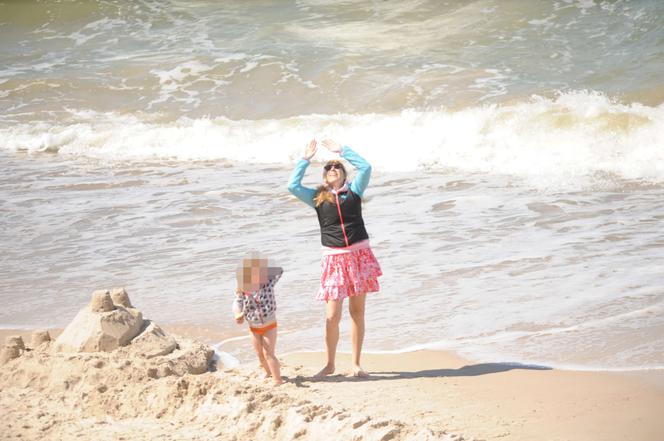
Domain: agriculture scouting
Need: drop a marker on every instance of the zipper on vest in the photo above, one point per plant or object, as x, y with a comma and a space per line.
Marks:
341, 218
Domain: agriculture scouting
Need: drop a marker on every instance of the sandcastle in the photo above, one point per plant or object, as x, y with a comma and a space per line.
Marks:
103, 326
109, 323
15, 346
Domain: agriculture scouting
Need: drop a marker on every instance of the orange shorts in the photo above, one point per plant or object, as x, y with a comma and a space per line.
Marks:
264, 329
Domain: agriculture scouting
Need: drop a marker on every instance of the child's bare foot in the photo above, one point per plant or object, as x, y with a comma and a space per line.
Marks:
278, 382
327, 370
359, 372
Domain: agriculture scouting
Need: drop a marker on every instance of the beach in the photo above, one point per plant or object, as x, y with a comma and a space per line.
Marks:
494, 401
514, 204
413, 395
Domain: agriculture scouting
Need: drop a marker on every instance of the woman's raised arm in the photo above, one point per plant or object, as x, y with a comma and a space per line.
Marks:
305, 194
361, 180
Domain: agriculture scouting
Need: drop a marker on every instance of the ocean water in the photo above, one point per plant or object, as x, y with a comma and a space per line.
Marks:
517, 196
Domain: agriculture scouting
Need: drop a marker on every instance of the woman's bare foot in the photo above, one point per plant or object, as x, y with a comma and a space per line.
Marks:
359, 372
327, 370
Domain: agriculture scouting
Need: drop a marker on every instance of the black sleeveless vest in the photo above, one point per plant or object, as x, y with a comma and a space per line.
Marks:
331, 231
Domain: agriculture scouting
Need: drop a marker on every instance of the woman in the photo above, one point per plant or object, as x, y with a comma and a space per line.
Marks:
348, 267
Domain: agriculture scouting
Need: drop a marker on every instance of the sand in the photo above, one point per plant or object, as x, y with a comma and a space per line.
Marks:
499, 402
123, 394
118, 394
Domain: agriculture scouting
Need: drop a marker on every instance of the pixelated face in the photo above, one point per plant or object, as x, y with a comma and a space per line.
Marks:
254, 272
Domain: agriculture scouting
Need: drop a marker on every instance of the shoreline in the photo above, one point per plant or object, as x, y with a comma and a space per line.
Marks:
214, 336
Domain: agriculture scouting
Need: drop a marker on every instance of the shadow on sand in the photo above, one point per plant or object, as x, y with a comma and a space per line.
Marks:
465, 371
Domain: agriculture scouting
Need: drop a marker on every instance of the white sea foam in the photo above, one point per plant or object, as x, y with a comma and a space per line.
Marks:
227, 58
177, 80
573, 140
95, 29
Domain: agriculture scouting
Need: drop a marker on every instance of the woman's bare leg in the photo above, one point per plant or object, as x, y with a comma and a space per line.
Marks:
332, 319
269, 343
356, 309
258, 347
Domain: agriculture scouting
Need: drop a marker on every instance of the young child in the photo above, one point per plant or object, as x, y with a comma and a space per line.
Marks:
254, 301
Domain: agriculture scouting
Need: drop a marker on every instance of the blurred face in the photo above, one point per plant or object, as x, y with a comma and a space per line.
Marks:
253, 274
333, 174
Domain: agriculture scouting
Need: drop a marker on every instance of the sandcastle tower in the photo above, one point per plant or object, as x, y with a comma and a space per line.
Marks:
120, 297
103, 325
40, 337
14, 347
101, 301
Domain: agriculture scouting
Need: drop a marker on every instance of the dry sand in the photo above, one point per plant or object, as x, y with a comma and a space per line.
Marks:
120, 394
414, 396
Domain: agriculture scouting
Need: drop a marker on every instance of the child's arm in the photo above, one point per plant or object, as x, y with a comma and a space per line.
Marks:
238, 308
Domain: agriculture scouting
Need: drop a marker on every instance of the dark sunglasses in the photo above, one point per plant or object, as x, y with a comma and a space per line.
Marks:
331, 166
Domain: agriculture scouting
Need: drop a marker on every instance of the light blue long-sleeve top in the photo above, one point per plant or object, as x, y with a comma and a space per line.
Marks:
357, 186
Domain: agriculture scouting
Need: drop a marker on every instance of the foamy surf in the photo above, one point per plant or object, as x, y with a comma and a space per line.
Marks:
573, 141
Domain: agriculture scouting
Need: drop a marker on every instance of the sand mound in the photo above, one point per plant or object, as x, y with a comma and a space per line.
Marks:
159, 386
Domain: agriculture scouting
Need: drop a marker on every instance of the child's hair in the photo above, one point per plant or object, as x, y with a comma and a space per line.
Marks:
323, 194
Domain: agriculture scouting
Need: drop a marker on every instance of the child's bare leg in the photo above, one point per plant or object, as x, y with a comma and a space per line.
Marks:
258, 347
269, 344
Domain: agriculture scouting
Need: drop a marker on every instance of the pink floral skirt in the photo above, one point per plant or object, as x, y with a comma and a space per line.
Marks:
348, 274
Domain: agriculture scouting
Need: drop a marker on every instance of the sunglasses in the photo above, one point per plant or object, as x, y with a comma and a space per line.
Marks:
328, 167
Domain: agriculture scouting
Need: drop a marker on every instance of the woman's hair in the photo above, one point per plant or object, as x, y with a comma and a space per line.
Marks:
323, 193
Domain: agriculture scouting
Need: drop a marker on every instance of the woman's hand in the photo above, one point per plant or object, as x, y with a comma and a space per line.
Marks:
310, 150
332, 146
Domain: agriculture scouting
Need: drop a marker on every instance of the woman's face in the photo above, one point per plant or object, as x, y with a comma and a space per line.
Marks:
334, 175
